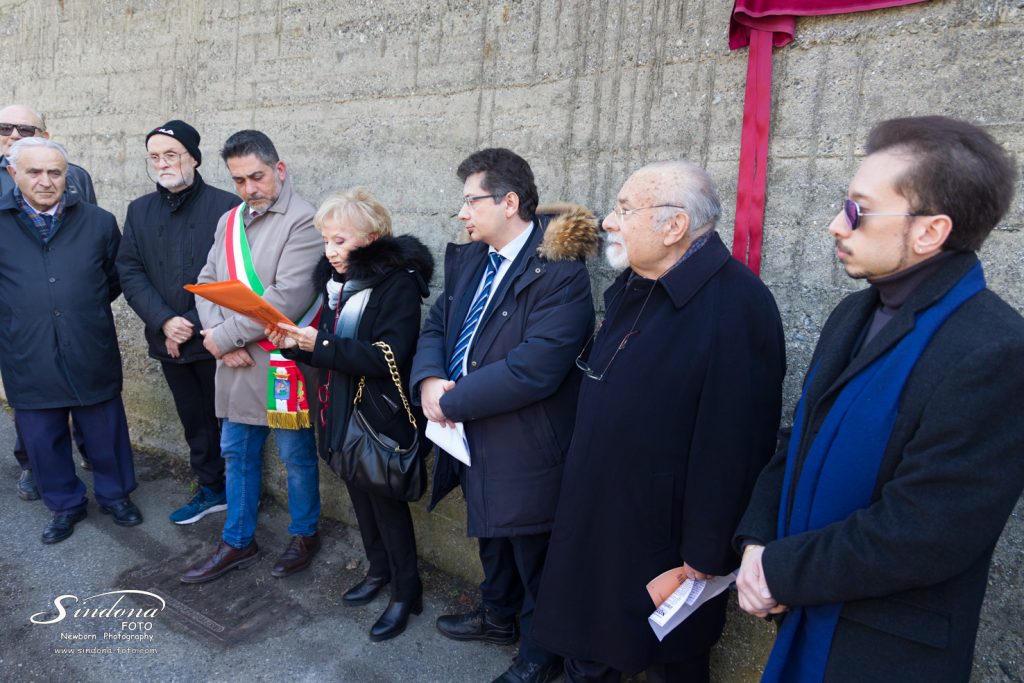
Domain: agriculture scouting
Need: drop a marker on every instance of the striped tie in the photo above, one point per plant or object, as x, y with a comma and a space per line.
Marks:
473, 317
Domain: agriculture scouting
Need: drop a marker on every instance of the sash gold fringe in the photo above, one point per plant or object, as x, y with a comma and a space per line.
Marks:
279, 419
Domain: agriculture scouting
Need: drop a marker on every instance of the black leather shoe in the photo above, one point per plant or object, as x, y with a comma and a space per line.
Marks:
394, 619
224, 559
125, 513
479, 624
523, 671
364, 591
62, 526
27, 486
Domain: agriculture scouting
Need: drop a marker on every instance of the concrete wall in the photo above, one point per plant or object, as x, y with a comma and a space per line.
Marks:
393, 94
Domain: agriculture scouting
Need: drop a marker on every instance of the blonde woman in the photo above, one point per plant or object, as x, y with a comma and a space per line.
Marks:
373, 284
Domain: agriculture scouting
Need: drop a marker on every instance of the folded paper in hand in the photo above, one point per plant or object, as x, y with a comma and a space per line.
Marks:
683, 601
452, 440
233, 295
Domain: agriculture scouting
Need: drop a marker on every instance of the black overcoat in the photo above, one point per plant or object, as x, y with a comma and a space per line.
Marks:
399, 269
666, 449
58, 345
912, 567
164, 247
519, 397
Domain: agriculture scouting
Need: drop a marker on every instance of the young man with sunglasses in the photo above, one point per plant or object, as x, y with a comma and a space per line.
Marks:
17, 122
872, 529
167, 237
678, 409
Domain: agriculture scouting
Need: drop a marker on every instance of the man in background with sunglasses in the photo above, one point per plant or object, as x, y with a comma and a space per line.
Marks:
873, 527
678, 411
17, 122
167, 237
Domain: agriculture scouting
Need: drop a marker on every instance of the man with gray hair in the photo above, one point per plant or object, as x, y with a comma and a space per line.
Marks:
680, 401
58, 345
16, 122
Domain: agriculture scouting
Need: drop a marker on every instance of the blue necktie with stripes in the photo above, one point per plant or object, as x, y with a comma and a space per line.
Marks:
476, 311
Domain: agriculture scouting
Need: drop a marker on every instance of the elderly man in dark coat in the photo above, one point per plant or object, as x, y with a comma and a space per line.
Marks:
497, 353
678, 411
58, 345
905, 457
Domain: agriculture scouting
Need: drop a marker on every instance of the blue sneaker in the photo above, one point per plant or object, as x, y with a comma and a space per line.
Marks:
202, 504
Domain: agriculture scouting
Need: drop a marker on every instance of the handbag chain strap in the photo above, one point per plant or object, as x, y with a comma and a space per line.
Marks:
389, 356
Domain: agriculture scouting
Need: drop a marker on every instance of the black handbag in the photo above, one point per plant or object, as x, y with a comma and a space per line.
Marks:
375, 462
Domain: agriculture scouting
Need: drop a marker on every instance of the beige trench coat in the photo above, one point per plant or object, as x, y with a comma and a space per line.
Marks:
285, 249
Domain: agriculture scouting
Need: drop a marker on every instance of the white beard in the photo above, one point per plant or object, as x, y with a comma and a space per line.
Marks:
616, 256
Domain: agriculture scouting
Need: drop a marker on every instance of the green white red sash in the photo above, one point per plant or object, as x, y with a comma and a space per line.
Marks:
287, 407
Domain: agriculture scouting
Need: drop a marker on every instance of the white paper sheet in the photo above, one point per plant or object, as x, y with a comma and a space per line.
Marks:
684, 601
451, 440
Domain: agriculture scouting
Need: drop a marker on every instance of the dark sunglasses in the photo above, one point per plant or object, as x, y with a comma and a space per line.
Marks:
23, 131
853, 213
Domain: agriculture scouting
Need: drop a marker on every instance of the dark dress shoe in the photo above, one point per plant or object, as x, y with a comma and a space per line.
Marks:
297, 555
125, 513
523, 671
27, 486
479, 624
224, 559
364, 591
62, 526
394, 619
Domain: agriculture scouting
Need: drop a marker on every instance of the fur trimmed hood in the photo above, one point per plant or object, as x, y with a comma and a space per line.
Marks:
381, 257
571, 232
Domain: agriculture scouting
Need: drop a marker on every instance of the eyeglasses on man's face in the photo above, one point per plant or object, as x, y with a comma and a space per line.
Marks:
24, 130
621, 213
853, 214
169, 158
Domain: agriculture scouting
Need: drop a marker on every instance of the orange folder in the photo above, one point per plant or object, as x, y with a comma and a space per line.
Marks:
233, 295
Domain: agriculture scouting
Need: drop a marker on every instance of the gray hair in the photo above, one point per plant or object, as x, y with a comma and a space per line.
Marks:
690, 186
21, 145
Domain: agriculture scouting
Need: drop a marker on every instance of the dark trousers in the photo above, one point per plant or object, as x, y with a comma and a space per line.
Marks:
692, 670
389, 541
21, 455
48, 441
512, 570
192, 386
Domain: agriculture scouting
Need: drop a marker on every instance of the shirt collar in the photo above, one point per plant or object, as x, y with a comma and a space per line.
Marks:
511, 250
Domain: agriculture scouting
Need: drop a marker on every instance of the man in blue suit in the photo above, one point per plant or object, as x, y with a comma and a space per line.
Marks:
497, 353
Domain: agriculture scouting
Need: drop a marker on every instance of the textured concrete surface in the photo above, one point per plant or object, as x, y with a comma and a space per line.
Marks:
393, 94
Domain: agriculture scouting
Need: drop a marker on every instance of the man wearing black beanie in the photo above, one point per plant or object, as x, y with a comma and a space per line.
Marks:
167, 236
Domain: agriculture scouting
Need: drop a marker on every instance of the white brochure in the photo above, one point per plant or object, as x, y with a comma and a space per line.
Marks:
451, 440
684, 601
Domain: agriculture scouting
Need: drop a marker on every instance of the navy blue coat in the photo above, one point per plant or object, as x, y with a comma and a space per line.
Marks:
58, 345
912, 567
519, 397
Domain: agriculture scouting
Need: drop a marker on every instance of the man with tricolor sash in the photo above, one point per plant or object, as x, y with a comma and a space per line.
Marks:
269, 244
872, 530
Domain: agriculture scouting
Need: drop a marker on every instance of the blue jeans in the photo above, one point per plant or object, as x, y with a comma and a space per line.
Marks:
241, 446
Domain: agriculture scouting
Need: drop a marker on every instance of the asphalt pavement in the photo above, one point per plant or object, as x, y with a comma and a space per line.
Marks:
106, 604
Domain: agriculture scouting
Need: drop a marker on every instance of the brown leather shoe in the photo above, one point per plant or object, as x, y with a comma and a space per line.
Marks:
224, 559
297, 555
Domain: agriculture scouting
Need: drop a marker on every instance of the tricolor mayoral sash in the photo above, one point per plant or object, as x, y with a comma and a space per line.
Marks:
287, 407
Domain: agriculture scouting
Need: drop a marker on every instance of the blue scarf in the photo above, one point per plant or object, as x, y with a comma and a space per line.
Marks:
839, 474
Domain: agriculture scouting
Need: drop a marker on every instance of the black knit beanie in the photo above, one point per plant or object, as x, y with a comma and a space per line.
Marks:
183, 133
